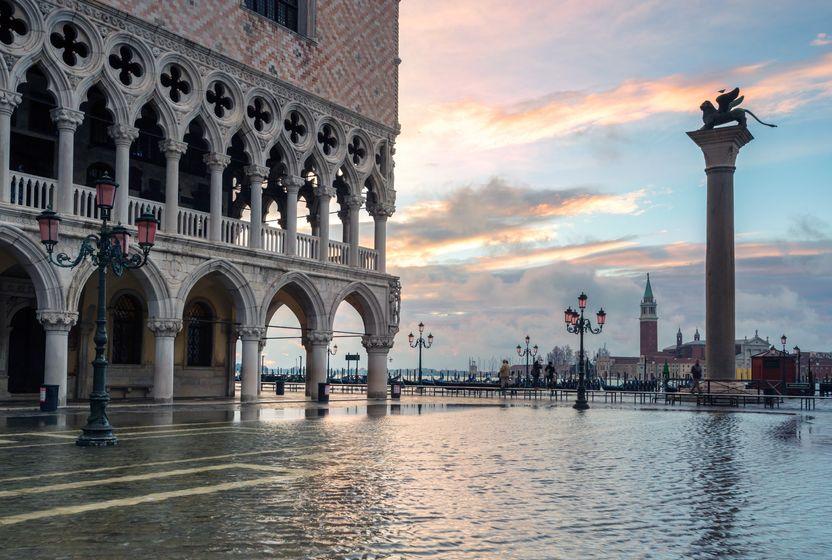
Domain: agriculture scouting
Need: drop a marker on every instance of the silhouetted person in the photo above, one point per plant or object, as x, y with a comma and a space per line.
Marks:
696, 375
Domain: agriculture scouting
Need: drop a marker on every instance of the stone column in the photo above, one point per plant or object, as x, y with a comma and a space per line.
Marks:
344, 216
216, 164
256, 175
173, 150
165, 331
720, 147
325, 195
354, 204
380, 213
316, 344
292, 185
57, 325
9, 100
251, 358
67, 121
377, 349
123, 136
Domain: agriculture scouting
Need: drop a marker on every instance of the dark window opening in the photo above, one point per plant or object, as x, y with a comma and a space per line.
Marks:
200, 321
127, 331
284, 12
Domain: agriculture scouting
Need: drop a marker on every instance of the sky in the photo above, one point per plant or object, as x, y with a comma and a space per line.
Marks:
543, 153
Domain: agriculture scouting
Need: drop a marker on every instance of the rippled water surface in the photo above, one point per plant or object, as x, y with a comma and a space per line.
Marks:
471, 482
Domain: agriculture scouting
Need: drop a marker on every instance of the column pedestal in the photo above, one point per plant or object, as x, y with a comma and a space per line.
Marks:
377, 349
165, 331
56, 324
720, 147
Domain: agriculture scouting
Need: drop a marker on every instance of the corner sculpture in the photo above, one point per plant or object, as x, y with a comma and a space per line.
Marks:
727, 111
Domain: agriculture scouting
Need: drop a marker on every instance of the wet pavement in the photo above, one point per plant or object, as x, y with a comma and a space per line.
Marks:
439, 478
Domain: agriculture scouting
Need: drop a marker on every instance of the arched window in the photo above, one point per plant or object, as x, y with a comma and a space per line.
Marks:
200, 325
128, 331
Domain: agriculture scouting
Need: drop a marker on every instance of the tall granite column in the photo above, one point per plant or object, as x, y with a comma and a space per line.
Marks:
66, 121
165, 331
377, 349
720, 147
316, 344
123, 137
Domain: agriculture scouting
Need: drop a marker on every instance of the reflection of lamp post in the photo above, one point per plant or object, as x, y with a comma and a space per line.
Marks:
576, 324
420, 343
330, 352
108, 249
528, 353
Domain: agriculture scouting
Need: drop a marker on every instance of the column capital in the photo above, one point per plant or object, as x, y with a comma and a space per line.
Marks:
173, 148
66, 119
377, 344
249, 333
123, 134
317, 338
53, 320
354, 202
257, 172
293, 183
381, 210
721, 145
164, 327
324, 191
9, 100
216, 161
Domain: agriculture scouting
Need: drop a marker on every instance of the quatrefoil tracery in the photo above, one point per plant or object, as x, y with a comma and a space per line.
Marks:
327, 139
357, 151
9, 24
218, 97
173, 79
295, 126
259, 114
68, 42
126, 66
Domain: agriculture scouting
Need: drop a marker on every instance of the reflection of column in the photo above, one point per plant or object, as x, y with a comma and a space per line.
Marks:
9, 100
256, 175
251, 356
325, 195
123, 136
67, 121
4, 347
216, 164
720, 147
165, 331
292, 185
377, 349
380, 213
173, 150
57, 325
316, 343
354, 204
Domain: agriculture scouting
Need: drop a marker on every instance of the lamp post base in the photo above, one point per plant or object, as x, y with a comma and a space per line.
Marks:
96, 437
581, 405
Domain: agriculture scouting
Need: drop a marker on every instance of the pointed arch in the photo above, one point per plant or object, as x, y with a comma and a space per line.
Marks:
156, 289
362, 298
251, 144
116, 102
57, 82
211, 131
235, 282
167, 118
48, 287
289, 159
310, 305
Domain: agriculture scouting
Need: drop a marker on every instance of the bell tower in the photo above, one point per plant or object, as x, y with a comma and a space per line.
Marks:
649, 323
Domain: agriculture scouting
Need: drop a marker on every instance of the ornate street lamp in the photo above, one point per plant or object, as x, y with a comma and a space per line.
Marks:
420, 343
107, 250
330, 352
528, 353
577, 324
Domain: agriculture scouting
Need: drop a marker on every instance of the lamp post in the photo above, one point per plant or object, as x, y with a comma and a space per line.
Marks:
783, 365
797, 352
109, 249
330, 352
528, 353
420, 343
577, 324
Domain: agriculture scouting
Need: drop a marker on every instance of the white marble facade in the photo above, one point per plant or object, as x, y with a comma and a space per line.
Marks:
241, 252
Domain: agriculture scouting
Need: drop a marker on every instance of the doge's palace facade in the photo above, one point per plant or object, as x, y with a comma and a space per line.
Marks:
246, 127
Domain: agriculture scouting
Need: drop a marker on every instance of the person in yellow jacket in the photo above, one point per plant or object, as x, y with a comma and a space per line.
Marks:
505, 374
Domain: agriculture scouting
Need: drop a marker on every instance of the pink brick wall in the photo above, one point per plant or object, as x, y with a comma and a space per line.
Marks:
351, 62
